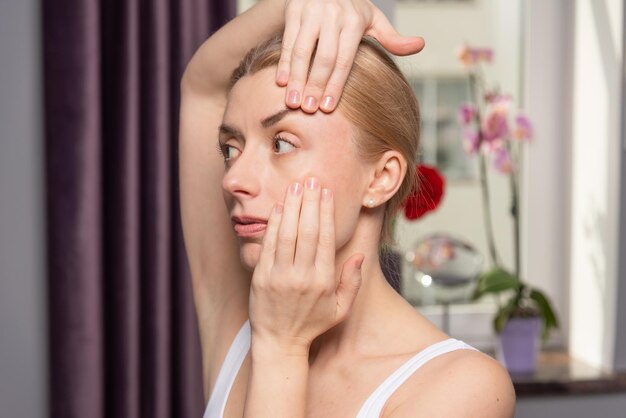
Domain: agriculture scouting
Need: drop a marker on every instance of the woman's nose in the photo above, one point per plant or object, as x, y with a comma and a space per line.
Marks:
241, 179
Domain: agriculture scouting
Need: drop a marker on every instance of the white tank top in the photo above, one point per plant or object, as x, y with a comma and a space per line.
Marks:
372, 407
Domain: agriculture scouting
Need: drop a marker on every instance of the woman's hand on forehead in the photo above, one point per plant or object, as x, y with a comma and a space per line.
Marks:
337, 27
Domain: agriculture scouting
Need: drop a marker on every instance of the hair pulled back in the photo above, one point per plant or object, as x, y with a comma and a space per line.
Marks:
377, 99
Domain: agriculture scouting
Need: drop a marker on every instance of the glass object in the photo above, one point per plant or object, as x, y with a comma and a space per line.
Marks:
442, 270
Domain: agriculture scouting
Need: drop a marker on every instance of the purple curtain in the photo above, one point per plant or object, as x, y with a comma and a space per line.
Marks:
123, 332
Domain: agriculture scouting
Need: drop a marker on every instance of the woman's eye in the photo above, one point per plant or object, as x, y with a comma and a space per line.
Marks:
227, 151
281, 145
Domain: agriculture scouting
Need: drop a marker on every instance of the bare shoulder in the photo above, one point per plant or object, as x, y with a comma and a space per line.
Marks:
463, 383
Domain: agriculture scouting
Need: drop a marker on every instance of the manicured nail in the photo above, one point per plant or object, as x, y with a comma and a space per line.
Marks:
278, 208
327, 103
326, 194
295, 189
282, 77
294, 97
312, 183
310, 102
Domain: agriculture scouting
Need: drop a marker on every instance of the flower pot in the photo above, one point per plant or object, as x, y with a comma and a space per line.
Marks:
518, 344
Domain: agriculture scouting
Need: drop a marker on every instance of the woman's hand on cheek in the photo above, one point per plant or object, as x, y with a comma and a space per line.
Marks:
337, 26
295, 295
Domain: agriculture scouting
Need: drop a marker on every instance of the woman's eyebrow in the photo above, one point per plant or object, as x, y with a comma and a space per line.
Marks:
228, 130
271, 120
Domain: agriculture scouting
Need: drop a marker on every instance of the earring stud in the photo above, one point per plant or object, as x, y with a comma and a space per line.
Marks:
370, 203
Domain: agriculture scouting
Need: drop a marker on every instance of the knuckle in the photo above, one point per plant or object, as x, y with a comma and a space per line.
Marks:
329, 288
343, 64
309, 234
332, 10
286, 239
295, 284
275, 286
286, 47
325, 61
284, 60
258, 285
292, 8
326, 239
300, 52
333, 87
314, 87
353, 21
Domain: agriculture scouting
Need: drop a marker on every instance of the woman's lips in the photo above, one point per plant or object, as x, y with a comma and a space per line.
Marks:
250, 230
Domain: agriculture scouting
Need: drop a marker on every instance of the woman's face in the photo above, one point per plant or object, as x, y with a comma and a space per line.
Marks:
268, 147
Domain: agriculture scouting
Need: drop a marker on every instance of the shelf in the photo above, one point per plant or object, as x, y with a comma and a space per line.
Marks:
558, 374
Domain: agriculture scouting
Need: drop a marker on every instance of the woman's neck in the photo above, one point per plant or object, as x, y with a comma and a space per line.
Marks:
368, 320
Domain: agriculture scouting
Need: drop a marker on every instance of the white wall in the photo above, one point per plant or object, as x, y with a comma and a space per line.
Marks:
595, 175
546, 181
23, 331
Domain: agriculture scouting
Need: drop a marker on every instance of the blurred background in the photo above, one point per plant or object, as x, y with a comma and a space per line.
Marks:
96, 313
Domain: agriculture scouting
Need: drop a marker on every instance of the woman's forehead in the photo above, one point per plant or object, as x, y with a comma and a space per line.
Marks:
258, 99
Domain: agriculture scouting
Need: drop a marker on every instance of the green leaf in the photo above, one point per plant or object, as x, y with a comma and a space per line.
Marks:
550, 320
495, 281
503, 315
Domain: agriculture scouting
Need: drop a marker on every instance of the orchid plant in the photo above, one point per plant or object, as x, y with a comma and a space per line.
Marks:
495, 135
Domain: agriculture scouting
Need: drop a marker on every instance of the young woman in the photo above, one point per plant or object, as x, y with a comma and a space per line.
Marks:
283, 224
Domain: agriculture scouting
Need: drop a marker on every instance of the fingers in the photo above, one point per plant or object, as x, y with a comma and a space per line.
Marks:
349, 285
325, 255
270, 239
292, 27
300, 59
348, 44
308, 227
390, 39
323, 66
304, 233
339, 30
288, 229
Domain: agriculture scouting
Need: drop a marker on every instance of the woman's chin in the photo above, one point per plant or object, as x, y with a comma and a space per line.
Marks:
249, 254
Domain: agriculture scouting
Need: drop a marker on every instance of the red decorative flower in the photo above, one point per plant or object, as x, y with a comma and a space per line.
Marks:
427, 193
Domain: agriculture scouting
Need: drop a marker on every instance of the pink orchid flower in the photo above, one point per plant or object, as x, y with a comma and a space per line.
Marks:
495, 125
467, 113
469, 56
471, 141
523, 128
502, 160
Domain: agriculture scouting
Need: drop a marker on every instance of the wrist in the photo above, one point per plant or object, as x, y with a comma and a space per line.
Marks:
268, 348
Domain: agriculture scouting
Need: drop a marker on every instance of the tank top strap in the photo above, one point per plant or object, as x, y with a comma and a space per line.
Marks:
228, 372
374, 405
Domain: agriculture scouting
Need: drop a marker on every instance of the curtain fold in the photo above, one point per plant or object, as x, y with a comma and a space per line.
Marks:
123, 332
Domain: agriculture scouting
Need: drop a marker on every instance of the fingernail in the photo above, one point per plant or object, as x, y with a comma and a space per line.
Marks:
312, 183
294, 97
282, 77
326, 194
278, 208
310, 102
295, 189
327, 103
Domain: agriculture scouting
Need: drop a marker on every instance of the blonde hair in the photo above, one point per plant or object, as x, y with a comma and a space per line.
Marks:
377, 99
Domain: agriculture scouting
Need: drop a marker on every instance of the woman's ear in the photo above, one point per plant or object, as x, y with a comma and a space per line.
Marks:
386, 178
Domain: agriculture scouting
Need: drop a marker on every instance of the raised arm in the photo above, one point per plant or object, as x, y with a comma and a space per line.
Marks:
220, 284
